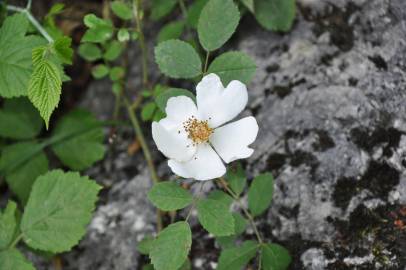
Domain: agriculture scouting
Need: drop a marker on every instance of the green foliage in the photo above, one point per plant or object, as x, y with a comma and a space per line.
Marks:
121, 10
236, 178
194, 12
275, 257
13, 259
237, 257
100, 30
100, 71
83, 134
89, 51
145, 245
148, 111
58, 210
240, 223
218, 21
62, 47
215, 217
249, 4
116, 73
114, 49
276, 15
168, 196
171, 247
171, 30
19, 119
161, 8
178, 59
123, 35
219, 195
233, 66
162, 98
8, 225
260, 193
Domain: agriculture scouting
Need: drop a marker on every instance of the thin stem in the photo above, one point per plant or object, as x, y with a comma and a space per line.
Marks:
195, 200
29, 3
183, 9
260, 259
243, 208
137, 8
15, 242
206, 63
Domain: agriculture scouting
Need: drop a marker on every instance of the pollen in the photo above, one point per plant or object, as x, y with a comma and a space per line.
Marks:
198, 131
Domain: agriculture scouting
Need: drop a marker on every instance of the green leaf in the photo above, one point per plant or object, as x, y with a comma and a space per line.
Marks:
123, 35
161, 8
148, 111
158, 115
100, 71
63, 49
121, 10
15, 56
89, 51
236, 178
168, 196
219, 195
22, 163
148, 267
162, 98
171, 247
237, 257
98, 34
92, 21
233, 66
194, 11
117, 73
19, 119
218, 21
275, 257
249, 4
44, 89
276, 15
178, 59
58, 210
114, 49
171, 30
12, 259
226, 242
240, 223
260, 193
8, 225
215, 217
84, 134
145, 245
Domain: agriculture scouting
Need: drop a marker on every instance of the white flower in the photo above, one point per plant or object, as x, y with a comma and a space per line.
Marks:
189, 133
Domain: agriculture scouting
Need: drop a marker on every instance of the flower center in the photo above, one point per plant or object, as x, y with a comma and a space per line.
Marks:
198, 131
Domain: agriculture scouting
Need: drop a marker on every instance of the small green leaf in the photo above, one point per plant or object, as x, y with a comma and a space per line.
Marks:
236, 178
178, 59
276, 15
275, 257
8, 225
194, 11
240, 223
260, 193
158, 115
12, 259
82, 133
63, 49
219, 195
161, 8
171, 247
44, 89
148, 110
100, 30
215, 217
19, 119
226, 242
117, 73
168, 196
162, 99
237, 257
114, 49
121, 10
145, 245
171, 30
233, 66
92, 21
89, 51
123, 35
117, 88
58, 210
100, 71
218, 21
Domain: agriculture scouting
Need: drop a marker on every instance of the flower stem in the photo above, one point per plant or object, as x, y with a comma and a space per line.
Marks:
243, 208
137, 9
195, 200
206, 63
15, 242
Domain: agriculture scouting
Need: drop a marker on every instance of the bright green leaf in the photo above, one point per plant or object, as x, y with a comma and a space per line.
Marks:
100, 71
63, 49
260, 193
158, 115
98, 35
276, 15
275, 257
121, 10
178, 59
236, 178
114, 49
233, 66
161, 8
169, 196
92, 21
171, 30
83, 134
58, 210
145, 245
123, 35
194, 11
148, 110
171, 247
117, 73
8, 225
162, 98
240, 223
12, 259
215, 217
219, 195
237, 257
89, 51
218, 21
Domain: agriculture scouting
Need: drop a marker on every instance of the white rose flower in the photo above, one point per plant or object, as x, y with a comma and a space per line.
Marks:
189, 133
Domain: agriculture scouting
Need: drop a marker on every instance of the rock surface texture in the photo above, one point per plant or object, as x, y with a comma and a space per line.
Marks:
330, 99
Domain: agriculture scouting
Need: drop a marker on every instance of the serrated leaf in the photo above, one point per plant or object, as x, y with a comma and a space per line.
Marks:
15, 56
217, 22
89, 51
44, 89
100, 71
86, 137
19, 119
145, 245
178, 59
276, 15
215, 217
239, 227
275, 257
63, 49
58, 210
121, 10
162, 98
148, 111
171, 247
8, 225
260, 193
11, 259
233, 66
114, 49
237, 257
22, 163
171, 30
123, 35
236, 178
161, 8
194, 11
168, 196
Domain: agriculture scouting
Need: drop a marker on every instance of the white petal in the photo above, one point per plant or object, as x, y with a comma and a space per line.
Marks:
219, 105
231, 141
173, 143
205, 165
178, 109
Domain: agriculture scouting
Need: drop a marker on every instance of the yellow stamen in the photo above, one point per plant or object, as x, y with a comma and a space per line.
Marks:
198, 131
